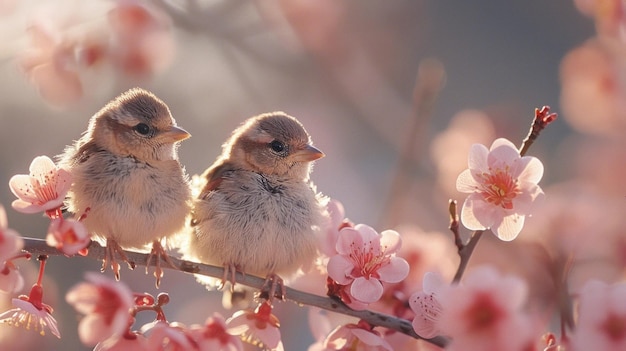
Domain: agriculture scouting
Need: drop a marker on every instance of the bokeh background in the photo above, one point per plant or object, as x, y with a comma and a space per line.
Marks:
394, 92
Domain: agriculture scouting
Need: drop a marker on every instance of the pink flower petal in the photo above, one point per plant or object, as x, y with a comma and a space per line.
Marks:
473, 207
533, 172
4, 223
432, 282
340, 269
477, 160
502, 156
12, 281
391, 241
21, 187
366, 290
348, 237
371, 339
466, 183
427, 309
367, 234
509, 227
394, 272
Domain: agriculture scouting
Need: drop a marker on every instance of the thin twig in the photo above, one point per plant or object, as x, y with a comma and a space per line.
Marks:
97, 252
466, 253
454, 224
543, 117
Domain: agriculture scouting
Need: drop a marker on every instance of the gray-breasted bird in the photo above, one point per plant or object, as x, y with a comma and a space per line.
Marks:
126, 174
257, 211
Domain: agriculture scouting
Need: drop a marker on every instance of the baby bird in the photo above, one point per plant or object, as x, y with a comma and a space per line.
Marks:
126, 175
257, 211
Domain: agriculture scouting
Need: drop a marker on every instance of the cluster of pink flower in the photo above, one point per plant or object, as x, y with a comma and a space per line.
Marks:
133, 38
362, 268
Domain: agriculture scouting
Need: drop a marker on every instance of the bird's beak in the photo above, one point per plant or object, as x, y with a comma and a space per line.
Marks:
174, 134
307, 154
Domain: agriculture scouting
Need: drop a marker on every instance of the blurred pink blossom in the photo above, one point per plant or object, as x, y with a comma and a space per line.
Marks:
128, 342
44, 189
212, 336
357, 337
141, 42
106, 305
593, 87
50, 65
450, 147
260, 326
68, 235
11, 243
168, 337
11, 280
427, 307
609, 15
502, 187
31, 313
601, 317
485, 312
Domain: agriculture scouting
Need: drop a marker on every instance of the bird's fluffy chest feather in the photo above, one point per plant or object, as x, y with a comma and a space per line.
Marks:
130, 201
260, 223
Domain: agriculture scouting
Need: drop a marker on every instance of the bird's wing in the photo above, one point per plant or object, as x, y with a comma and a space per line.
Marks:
214, 175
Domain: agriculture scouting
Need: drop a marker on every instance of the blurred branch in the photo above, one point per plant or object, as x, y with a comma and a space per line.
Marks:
97, 252
430, 80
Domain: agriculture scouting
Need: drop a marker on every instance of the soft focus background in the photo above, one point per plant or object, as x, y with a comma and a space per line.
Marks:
348, 71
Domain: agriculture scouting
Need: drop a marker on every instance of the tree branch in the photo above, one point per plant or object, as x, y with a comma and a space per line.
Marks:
97, 252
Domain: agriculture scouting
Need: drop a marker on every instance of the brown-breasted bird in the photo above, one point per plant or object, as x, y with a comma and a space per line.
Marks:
256, 210
127, 176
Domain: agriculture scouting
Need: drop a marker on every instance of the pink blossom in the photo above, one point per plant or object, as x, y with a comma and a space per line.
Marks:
484, 313
31, 313
601, 317
165, 336
609, 16
10, 279
357, 337
44, 189
142, 38
427, 307
10, 245
259, 326
365, 259
593, 87
50, 65
502, 187
337, 221
10, 241
212, 336
68, 235
128, 342
106, 305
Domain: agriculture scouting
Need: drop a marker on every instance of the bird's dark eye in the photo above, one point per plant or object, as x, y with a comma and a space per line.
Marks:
277, 146
142, 129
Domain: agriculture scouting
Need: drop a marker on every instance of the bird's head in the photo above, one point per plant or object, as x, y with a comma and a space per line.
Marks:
273, 144
139, 125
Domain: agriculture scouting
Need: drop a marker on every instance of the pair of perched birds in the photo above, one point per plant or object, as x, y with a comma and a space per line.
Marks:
256, 210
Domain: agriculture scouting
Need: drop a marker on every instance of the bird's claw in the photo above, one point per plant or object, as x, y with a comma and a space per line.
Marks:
158, 252
112, 248
230, 271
